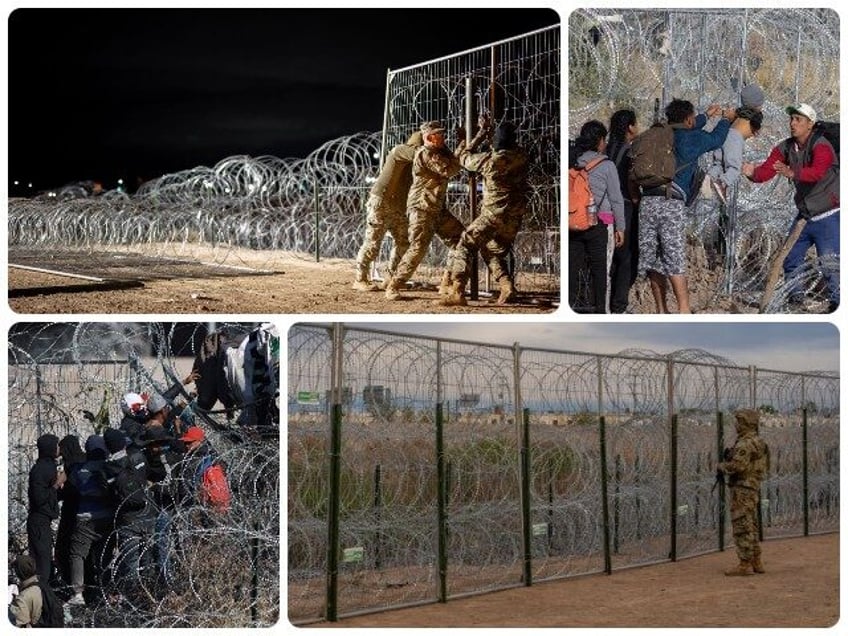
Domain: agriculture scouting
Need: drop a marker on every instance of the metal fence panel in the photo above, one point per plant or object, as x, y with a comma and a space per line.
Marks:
469, 467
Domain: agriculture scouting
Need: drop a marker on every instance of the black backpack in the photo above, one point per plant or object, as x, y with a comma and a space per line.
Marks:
827, 129
830, 131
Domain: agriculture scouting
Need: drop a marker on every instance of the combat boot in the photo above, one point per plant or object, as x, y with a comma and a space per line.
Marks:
507, 291
454, 296
743, 569
393, 290
362, 283
444, 285
757, 564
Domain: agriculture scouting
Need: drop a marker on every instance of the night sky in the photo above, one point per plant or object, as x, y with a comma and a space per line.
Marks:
101, 94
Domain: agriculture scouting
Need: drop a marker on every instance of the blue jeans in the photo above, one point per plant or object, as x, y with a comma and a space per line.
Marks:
824, 234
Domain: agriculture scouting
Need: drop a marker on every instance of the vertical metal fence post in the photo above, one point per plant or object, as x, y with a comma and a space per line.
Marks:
317, 220
474, 279
441, 488
378, 517
38, 380
522, 416
722, 513
722, 493
525, 499
673, 493
673, 451
334, 502
806, 471
604, 500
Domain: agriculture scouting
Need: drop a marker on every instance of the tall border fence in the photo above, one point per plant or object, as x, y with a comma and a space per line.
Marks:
423, 469
516, 80
642, 58
247, 209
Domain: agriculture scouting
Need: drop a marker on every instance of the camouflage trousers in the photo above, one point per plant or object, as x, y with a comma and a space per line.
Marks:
662, 236
384, 215
423, 225
743, 516
493, 234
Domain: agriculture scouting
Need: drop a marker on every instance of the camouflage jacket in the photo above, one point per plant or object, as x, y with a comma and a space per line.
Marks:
431, 170
749, 462
396, 175
504, 175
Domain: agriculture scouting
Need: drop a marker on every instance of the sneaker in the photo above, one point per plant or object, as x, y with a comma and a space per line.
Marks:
76, 599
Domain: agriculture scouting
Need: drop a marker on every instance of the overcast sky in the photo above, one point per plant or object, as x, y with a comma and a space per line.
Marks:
97, 93
778, 346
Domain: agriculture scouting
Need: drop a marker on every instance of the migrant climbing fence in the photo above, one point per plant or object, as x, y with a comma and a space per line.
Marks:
424, 469
56, 372
642, 58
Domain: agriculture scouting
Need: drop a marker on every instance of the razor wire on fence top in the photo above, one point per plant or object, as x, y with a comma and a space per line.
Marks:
224, 567
421, 469
633, 58
315, 207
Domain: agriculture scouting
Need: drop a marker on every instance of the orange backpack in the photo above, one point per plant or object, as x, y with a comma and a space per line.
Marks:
580, 196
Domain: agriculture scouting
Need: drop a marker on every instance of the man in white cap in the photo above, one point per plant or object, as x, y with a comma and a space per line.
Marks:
810, 162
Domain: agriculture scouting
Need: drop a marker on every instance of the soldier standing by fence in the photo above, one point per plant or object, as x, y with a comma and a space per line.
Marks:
746, 468
432, 167
387, 212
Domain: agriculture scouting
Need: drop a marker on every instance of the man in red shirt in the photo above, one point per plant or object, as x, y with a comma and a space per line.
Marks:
810, 162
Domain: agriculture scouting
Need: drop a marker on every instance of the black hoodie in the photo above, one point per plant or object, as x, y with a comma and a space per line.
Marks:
43, 498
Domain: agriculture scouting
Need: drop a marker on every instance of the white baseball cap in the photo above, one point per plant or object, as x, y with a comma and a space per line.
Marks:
802, 109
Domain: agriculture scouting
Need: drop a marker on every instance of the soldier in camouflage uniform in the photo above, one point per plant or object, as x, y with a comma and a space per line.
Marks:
387, 211
432, 168
504, 171
745, 469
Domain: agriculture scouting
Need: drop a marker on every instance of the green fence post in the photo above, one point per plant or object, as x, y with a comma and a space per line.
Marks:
333, 521
525, 499
604, 500
722, 511
441, 495
806, 474
334, 496
673, 529
317, 222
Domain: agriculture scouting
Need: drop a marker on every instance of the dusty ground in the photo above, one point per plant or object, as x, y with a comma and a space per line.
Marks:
799, 589
295, 285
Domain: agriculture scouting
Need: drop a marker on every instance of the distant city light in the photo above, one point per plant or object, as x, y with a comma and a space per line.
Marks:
17, 183
29, 185
120, 182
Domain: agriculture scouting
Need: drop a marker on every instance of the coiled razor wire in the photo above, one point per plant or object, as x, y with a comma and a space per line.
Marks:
398, 391
631, 58
224, 568
314, 208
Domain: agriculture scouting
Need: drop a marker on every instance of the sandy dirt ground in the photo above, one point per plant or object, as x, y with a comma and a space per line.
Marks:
799, 589
295, 286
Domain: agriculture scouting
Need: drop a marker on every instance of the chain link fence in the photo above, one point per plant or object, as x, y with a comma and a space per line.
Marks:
424, 469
